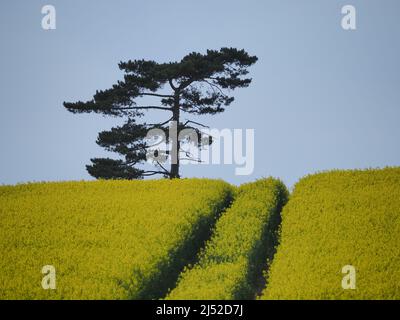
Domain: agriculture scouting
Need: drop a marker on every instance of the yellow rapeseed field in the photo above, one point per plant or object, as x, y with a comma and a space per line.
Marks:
131, 239
232, 261
106, 239
337, 219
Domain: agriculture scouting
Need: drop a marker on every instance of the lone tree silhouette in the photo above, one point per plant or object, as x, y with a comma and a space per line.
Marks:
198, 84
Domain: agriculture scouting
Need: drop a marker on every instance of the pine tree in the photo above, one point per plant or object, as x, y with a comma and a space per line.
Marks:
199, 84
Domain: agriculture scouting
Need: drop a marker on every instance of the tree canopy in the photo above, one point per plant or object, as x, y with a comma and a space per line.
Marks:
199, 84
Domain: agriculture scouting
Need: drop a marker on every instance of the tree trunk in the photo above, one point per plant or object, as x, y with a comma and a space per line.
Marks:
175, 145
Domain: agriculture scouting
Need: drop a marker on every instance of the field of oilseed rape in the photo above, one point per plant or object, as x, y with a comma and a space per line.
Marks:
338, 219
230, 266
105, 239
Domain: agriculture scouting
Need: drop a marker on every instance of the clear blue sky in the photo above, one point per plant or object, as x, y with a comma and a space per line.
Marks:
321, 97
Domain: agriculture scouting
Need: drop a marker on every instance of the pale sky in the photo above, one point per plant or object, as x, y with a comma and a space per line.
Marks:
321, 98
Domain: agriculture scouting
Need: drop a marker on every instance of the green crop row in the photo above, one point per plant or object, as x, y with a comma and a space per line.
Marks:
105, 239
230, 266
340, 238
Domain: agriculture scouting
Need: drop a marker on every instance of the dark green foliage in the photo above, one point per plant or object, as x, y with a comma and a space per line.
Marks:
106, 168
198, 84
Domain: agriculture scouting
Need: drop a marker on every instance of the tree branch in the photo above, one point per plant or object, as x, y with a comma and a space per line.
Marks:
161, 124
142, 107
185, 84
194, 122
156, 95
212, 85
151, 173
172, 85
192, 159
162, 167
